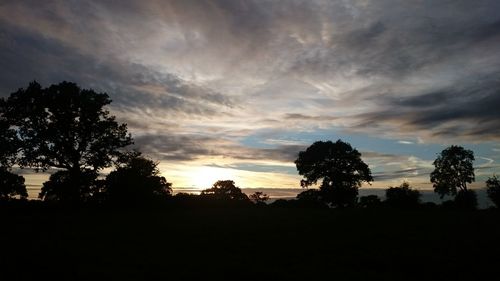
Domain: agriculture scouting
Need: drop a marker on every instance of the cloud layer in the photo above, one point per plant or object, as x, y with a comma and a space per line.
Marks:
252, 81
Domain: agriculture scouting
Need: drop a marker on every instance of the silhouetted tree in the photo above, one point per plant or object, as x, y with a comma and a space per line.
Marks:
453, 170
369, 201
283, 203
311, 198
338, 166
310, 195
8, 140
11, 185
493, 190
448, 204
65, 127
402, 196
224, 190
466, 199
259, 197
185, 195
136, 180
62, 187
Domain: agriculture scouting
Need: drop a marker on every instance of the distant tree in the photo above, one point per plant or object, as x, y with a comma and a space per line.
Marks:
224, 190
259, 197
136, 180
312, 195
65, 127
453, 170
185, 195
493, 190
62, 187
283, 203
466, 199
311, 198
402, 196
11, 185
338, 166
369, 201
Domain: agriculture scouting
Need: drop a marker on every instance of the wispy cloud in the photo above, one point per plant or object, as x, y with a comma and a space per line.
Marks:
194, 79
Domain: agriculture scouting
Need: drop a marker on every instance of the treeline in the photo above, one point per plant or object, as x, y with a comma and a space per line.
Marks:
68, 129
339, 171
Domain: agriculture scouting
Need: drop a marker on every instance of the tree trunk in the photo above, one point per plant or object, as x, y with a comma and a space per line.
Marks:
75, 178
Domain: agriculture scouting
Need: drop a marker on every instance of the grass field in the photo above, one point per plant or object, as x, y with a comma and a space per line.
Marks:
249, 244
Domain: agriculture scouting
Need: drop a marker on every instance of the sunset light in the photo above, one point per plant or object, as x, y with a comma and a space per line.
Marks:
249, 139
204, 177
236, 90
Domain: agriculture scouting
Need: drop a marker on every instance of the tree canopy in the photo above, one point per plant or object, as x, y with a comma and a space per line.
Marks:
137, 180
64, 127
369, 201
493, 190
338, 166
65, 187
225, 190
402, 196
8, 142
453, 170
259, 197
11, 185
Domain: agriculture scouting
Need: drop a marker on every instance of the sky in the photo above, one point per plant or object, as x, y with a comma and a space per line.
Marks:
235, 89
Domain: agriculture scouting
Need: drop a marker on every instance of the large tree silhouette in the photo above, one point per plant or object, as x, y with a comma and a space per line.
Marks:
338, 166
453, 170
65, 127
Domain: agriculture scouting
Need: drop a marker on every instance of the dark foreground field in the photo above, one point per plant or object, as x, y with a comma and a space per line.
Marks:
249, 244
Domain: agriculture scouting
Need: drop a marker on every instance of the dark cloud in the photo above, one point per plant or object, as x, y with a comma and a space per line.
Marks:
191, 77
398, 49
398, 174
191, 147
303, 117
173, 147
29, 56
259, 168
468, 108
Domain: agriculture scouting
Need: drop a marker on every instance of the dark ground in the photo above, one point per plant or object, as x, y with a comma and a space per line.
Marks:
249, 244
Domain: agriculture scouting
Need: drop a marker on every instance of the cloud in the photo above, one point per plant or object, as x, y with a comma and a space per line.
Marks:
194, 78
465, 109
31, 56
391, 167
192, 147
398, 174
303, 117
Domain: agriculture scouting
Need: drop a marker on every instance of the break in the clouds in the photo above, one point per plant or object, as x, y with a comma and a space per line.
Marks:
245, 85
